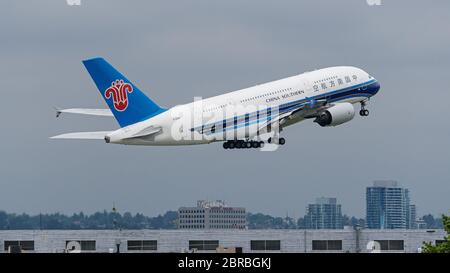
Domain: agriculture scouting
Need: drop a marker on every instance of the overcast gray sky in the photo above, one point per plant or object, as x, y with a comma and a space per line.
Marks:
175, 50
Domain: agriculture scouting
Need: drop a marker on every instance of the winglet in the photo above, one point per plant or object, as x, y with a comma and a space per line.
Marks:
58, 111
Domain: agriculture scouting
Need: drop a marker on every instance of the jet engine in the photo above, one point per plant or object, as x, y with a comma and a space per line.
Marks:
336, 115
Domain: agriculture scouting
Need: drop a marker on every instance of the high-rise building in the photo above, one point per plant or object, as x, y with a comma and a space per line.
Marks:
388, 206
412, 219
212, 215
324, 214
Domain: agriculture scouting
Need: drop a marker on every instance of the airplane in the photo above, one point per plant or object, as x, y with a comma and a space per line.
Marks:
243, 119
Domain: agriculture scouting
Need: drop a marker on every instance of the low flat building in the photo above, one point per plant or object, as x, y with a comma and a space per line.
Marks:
212, 215
142, 241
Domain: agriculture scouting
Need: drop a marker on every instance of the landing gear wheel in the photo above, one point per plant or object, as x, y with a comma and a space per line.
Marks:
364, 112
282, 141
226, 145
231, 145
255, 144
248, 144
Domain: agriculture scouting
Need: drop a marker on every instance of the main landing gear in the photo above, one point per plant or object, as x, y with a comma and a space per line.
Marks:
280, 141
363, 112
242, 144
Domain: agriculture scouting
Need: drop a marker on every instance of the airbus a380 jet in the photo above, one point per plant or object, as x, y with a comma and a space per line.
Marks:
247, 118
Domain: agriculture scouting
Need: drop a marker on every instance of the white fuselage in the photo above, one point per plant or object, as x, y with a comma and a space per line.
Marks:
236, 115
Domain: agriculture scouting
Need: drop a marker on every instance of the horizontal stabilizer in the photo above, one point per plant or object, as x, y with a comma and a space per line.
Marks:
83, 135
147, 132
84, 111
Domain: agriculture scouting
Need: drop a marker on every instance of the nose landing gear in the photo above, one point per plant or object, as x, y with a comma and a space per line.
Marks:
363, 112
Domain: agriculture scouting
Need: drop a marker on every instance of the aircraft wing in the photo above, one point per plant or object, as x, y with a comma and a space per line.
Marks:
83, 135
304, 110
85, 111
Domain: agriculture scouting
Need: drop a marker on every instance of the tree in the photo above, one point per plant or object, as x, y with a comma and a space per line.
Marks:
301, 223
442, 247
3, 220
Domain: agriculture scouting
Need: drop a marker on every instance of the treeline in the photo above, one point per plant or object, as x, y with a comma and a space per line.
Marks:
264, 221
432, 223
113, 220
98, 220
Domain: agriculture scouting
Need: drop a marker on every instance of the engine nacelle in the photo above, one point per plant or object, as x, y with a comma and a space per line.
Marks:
335, 115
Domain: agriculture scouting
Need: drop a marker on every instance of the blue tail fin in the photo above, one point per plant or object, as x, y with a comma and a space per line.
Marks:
128, 104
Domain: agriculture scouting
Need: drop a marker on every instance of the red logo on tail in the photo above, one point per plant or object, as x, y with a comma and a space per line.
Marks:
119, 93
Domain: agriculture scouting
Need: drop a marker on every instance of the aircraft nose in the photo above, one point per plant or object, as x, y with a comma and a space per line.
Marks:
375, 87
